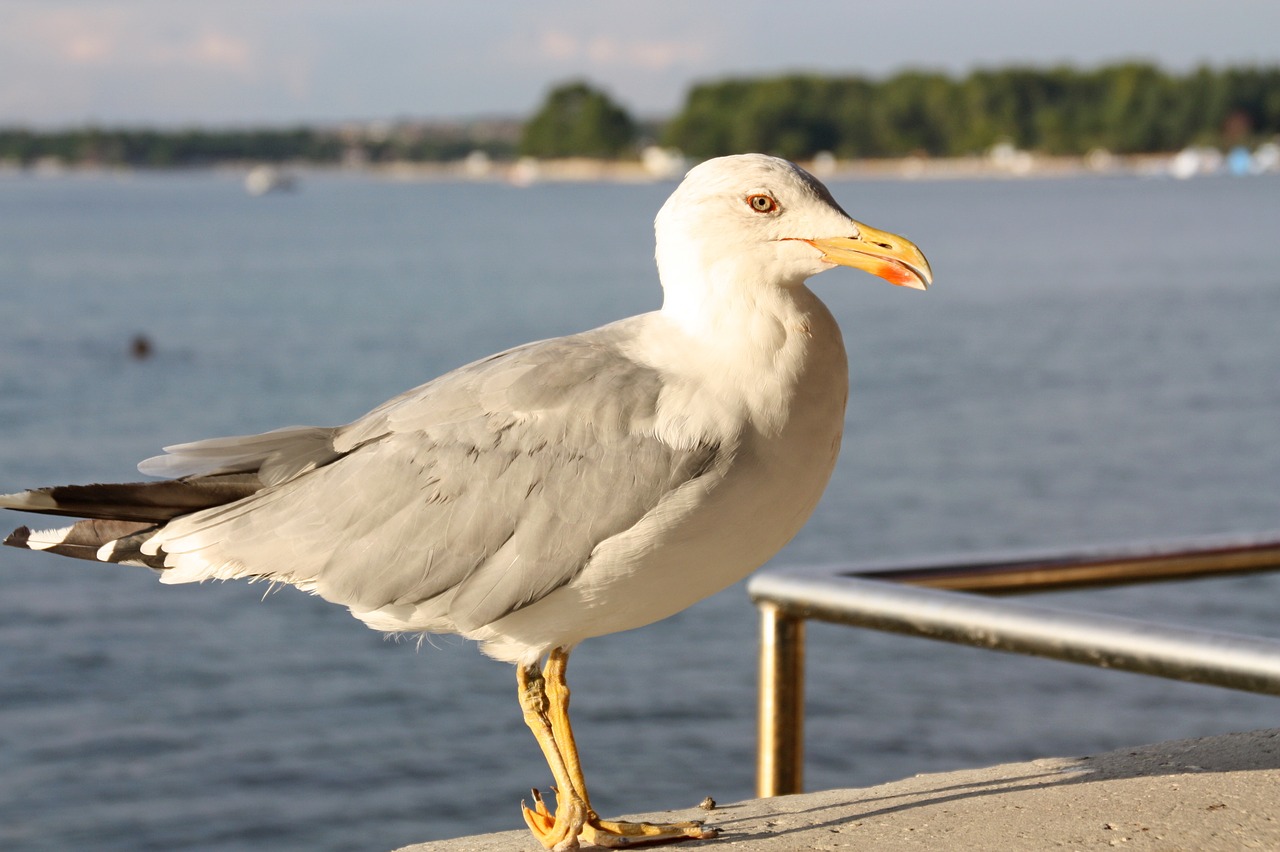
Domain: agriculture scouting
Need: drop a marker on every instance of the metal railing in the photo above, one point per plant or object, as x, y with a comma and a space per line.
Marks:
927, 600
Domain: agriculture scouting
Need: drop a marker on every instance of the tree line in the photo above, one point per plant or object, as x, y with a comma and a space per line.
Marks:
159, 148
193, 147
1123, 108
1127, 108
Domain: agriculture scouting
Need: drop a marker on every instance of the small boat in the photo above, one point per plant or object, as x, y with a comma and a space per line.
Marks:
265, 179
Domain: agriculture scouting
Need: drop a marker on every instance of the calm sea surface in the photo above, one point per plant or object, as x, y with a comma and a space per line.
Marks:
1099, 361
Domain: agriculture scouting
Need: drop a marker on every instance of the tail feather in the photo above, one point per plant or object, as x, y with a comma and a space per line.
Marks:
151, 502
120, 516
86, 540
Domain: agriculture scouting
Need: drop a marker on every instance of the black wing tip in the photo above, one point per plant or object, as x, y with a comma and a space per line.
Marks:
19, 538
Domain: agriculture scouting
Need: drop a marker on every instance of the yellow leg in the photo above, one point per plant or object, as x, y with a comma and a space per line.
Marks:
558, 700
561, 830
545, 699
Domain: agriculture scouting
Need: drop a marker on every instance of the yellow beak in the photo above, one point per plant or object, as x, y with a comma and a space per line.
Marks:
893, 258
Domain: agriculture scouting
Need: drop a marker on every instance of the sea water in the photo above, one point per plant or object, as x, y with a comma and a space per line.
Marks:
1098, 362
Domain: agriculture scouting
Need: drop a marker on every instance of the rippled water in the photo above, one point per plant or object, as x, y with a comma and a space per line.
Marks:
1098, 362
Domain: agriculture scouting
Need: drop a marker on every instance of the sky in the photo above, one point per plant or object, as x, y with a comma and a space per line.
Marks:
236, 62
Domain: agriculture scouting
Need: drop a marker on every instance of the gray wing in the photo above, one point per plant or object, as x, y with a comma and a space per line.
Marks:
492, 485
274, 456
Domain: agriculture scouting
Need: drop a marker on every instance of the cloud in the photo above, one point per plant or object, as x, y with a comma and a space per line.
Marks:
85, 48
214, 50
557, 46
121, 38
605, 51
66, 61
142, 61
662, 55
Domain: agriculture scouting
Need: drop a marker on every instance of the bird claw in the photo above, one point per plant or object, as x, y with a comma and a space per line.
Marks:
539, 819
558, 831
578, 823
614, 834
539, 805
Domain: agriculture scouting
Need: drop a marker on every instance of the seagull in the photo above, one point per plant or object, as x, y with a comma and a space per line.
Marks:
560, 490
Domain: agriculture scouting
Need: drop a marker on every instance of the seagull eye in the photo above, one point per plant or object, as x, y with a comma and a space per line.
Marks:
762, 203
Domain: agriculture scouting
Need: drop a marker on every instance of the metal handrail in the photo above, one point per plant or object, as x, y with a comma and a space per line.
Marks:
862, 597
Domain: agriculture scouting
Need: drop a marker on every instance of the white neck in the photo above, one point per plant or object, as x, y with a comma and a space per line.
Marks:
751, 347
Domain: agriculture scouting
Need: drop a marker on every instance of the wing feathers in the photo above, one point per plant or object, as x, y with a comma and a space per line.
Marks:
274, 456
481, 492
82, 540
135, 501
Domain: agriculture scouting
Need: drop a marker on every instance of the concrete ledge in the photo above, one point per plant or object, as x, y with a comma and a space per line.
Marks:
1217, 793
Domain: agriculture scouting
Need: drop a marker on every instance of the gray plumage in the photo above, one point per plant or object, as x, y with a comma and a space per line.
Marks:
557, 491
490, 485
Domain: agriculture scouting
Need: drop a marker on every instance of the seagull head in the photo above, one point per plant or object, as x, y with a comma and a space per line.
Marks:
750, 221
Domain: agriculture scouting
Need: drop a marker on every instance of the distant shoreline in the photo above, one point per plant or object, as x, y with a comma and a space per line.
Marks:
1013, 165
1019, 165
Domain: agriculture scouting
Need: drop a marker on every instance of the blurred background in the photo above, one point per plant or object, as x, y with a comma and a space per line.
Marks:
225, 218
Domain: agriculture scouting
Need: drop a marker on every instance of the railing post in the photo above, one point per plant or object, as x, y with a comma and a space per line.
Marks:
780, 749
